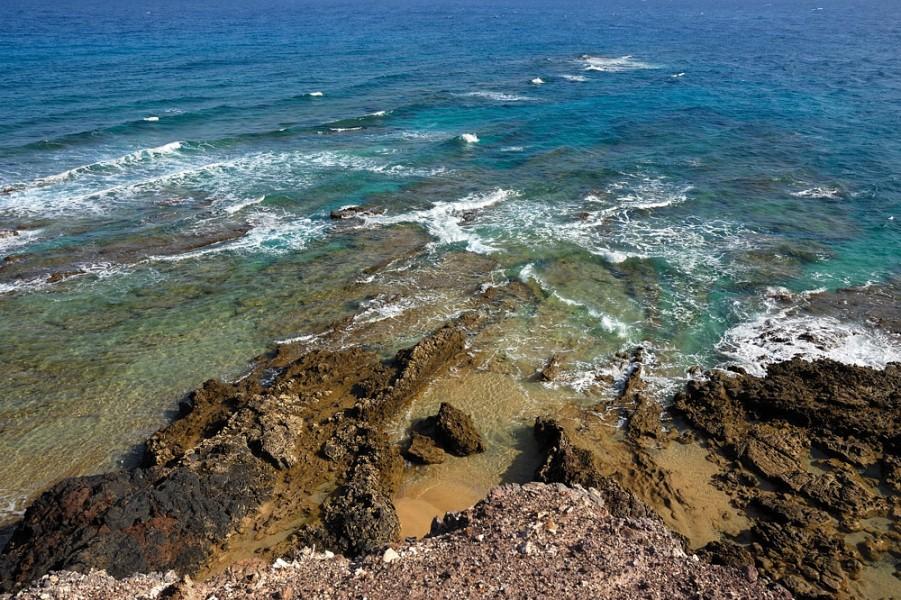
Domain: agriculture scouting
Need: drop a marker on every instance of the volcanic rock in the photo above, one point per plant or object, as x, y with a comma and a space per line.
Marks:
350, 212
551, 369
566, 463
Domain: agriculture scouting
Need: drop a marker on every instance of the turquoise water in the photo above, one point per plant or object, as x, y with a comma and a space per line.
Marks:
653, 170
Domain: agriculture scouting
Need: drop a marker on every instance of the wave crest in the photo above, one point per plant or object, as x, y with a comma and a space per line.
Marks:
606, 64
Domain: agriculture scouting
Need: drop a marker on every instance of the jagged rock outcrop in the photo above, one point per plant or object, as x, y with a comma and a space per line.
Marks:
814, 430
569, 464
451, 431
236, 449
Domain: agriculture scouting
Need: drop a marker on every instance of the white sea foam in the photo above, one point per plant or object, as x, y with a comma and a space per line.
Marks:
239, 206
645, 192
343, 129
469, 138
613, 64
331, 159
23, 238
23, 285
115, 163
575, 78
316, 94
608, 322
303, 339
498, 96
152, 119
12, 504
620, 225
378, 113
678, 75
270, 233
103, 270
133, 180
537, 81
430, 136
615, 256
819, 192
386, 307
780, 335
445, 220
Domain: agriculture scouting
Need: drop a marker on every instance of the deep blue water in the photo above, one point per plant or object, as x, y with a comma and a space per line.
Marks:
679, 161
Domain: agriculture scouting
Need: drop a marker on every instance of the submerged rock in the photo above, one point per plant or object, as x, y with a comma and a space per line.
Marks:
58, 276
351, 212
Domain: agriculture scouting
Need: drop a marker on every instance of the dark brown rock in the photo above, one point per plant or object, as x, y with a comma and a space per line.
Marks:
530, 541
797, 545
135, 521
773, 425
58, 276
644, 426
891, 469
235, 448
551, 369
351, 212
726, 553
456, 432
422, 450
360, 517
571, 465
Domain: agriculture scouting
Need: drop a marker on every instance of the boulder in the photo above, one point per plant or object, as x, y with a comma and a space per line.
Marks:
422, 450
551, 369
456, 432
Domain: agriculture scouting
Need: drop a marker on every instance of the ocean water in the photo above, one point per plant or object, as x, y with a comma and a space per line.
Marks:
658, 172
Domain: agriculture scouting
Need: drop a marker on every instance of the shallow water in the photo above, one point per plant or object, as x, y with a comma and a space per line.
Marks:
678, 164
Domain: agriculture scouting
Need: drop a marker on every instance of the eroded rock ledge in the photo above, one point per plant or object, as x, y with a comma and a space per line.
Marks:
808, 451
529, 541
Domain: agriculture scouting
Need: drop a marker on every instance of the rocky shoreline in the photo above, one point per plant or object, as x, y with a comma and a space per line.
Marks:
298, 455
527, 541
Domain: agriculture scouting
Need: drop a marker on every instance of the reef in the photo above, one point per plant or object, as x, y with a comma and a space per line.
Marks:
746, 486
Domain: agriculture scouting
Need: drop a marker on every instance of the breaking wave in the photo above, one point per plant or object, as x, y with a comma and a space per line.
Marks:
446, 221
613, 64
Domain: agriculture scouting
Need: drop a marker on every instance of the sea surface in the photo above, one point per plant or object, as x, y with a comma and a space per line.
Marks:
664, 173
